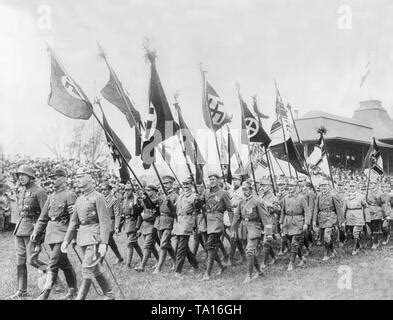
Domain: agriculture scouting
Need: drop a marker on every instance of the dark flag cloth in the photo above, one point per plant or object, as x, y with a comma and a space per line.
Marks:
232, 150
66, 96
211, 102
252, 130
373, 159
123, 170
256, 110
160, 125
317, 161
293, 155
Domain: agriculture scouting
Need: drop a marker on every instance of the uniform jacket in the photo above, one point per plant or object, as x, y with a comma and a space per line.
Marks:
55, 216
151, 210
377, 205
92, 217
113, 205
131, 211
185, 214
294, 214
327, 211
253, 212
200, 222
273, 209
31, 200
355, 210
167, 211
216, 202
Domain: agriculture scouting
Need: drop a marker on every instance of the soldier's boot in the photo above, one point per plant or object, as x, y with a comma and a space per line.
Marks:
355, 247
265, 255
70, 277
375, 242
273, 255
161, 260
106, 287
327, 250
210, 260
332, 250
195, 247
224, 252
130, 253
21, 278
49, 283
84, 289
291, 261
142, 265
220, 265
155, 253
138, 250
258, 266
173, 258
250, 267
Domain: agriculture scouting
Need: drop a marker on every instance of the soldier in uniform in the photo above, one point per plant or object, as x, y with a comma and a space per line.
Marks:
355, 212
131, 211
240, 237
216, 201
31, 199
282, 192
306, 189
327, 215
167, 216
93, 219
55, 218
272, 217
186, 206
200, 232
341, 196
294, 220
151, 210
252, 210
386, 225
113, 205
5, 212
378, 212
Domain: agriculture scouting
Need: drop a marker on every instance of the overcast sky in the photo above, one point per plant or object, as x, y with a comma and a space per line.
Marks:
317, 63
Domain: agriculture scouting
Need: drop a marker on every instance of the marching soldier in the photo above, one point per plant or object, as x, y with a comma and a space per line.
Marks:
306, 190
151, 210
216, 201
378, 212
113, 205
186, 206
31, 200
240, 237
386, 225
327, 214
131, 211
282, 192
252, 211
200, 232
55, 218
5, 213
355, 212
93, 219
294, 220
272, 217
165, 222
341, 196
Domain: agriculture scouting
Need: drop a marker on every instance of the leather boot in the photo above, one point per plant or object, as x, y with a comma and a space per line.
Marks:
141, 267
50, 281
130, 253
106, 287
84, 289
257, 266
210, 260
70, 277
21, 278
220, 264
250, 267
155, 253
327, 250
161, 261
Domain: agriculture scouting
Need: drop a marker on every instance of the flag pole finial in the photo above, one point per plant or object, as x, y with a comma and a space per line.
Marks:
150, 54
101, 51
322, 130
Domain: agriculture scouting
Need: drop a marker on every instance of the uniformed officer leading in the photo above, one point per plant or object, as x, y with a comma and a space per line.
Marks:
93, 219
31, 199
55, 217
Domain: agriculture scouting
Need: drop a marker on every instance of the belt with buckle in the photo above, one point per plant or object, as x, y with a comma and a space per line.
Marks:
356, 208
88, 222
295, 214
249, 220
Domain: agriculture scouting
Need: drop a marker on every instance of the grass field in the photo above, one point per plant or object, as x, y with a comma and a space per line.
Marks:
371, 275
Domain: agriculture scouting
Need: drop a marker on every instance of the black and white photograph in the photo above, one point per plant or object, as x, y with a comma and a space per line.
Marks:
209, 152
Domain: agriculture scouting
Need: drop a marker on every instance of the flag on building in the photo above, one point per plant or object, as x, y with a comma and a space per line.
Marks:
160, 125
213, 107
66, 96
117, 149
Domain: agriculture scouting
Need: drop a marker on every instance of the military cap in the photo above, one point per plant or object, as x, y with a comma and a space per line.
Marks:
213, 174
168, 178
58, 171
187, 181
27, 170
248, 183
82, 171
237, 176
152, 187
128, 187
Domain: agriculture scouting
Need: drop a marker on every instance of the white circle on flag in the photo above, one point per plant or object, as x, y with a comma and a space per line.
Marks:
70, 87
252, 126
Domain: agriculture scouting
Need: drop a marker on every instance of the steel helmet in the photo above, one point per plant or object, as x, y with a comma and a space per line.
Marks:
27, 170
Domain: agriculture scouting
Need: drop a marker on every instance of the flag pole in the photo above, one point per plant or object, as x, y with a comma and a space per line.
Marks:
248, 140
270, 169
283, 133
282, 171
169, 166
210, 117
369, 170
238, 159
289, 107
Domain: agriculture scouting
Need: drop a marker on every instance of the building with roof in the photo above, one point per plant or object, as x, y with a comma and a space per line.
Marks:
348, 139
